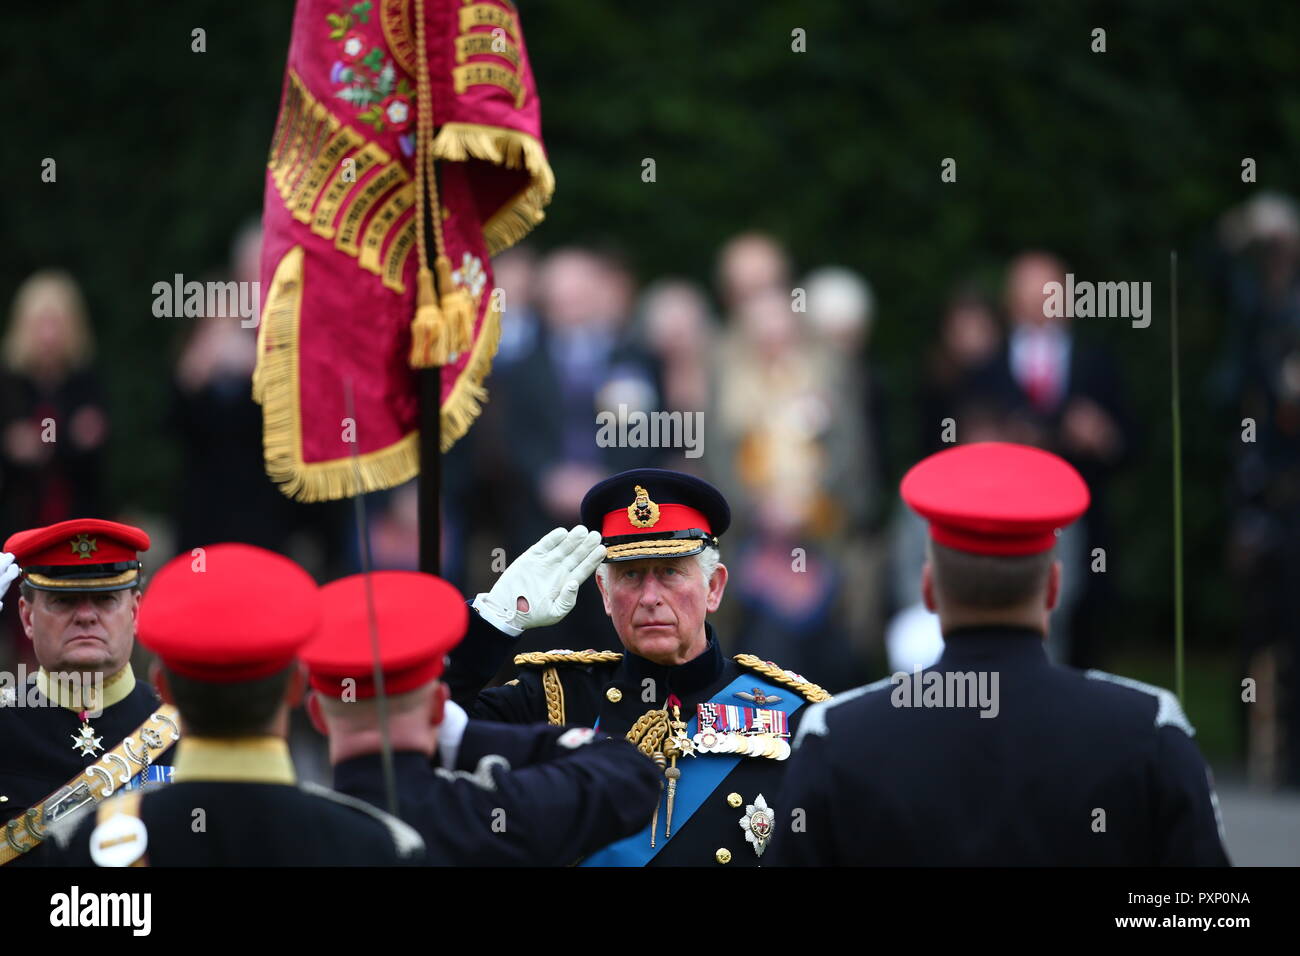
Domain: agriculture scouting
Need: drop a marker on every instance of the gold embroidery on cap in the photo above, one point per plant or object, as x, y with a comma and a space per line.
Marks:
643, 512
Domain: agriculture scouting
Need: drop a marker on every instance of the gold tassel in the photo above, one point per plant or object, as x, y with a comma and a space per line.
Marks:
457, 309
429, 331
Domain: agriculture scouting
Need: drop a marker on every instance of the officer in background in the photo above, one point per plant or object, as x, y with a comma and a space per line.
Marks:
226, 625
717, 727
82, 726
571, 794
995, 757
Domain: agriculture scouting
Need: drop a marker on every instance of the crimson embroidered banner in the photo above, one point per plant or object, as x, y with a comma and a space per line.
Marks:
355, 287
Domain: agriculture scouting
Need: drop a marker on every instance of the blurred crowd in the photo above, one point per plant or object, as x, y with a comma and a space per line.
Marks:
778, 365
1257, 277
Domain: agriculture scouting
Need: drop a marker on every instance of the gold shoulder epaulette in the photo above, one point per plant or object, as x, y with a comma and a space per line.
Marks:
544, 659
810, 691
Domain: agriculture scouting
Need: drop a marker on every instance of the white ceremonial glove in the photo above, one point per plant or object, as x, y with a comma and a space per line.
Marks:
547, 577
8, 571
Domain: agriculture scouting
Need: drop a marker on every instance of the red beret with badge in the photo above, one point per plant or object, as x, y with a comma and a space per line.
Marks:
84, 554
419, 618
228, 613
995, 498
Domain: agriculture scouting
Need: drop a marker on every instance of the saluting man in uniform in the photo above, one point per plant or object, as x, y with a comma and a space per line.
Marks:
717, 727
528, 796
996, 757
227, 625
82, 726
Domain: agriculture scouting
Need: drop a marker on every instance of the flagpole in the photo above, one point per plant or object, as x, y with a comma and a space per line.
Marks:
430, 480
1177, 475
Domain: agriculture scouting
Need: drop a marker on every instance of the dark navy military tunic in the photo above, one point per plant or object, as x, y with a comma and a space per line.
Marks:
536, 796
255, 824
1074, 769
36, 751
611, 697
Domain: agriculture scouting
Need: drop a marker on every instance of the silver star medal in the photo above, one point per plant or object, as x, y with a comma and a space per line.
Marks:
85, 742
757, 823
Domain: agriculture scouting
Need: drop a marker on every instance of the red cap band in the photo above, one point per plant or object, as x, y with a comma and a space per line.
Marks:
671, 518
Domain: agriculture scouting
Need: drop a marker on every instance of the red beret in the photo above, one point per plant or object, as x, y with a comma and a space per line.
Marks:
419, 618
995, 497
231, 613
84, 554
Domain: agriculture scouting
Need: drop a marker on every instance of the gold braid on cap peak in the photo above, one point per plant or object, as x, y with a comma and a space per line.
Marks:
810, 691
589, 656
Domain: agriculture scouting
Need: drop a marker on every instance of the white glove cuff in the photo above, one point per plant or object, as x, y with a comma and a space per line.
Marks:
497, 617
450, 732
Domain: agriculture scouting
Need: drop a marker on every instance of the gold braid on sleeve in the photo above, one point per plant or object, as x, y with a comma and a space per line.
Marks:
811, 692
554, 691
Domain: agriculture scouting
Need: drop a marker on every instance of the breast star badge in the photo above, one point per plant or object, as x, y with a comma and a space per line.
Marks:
757, 824
85, 742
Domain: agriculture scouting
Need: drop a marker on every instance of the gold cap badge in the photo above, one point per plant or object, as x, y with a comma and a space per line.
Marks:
643, 512
83, 545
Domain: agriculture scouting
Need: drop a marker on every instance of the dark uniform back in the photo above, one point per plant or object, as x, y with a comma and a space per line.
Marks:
219, 823
1073, 769
227, 653
579, 794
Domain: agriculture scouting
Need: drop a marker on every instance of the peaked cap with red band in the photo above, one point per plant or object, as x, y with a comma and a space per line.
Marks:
419, 618
84, 554
995, 497
232, 613
655, 513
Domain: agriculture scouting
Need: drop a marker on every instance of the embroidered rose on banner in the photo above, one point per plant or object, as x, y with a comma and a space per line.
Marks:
354, 45
398, 111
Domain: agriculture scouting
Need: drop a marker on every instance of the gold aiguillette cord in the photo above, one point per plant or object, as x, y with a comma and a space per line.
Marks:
673, 773
648, 734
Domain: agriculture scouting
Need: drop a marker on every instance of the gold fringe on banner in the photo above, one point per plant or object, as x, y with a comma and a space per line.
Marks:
467, 396
512, 149
276, 388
